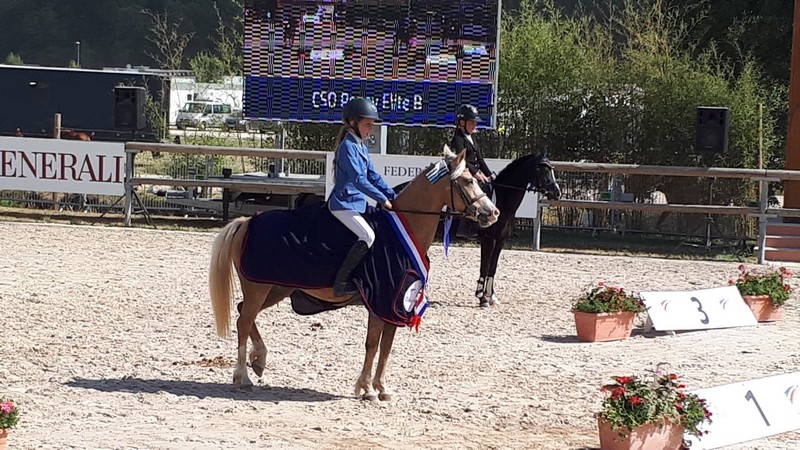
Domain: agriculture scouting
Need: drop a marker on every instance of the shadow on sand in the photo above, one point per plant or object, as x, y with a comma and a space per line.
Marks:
203, 390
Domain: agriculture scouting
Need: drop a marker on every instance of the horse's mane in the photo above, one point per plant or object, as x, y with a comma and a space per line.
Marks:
446, 155
512, 167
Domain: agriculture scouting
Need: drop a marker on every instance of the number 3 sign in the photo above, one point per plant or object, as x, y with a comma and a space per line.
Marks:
750, 410
697, 310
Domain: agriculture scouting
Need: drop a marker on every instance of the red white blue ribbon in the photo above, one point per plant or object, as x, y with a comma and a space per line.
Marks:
418, 261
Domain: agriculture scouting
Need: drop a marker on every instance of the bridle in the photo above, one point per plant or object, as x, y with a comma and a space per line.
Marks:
531, 187
453, 176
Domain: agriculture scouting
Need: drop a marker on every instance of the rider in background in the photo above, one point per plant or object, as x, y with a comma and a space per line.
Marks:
356, 179
466, 122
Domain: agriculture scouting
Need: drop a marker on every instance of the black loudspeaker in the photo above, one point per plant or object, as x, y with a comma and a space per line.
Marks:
129, 108
711, 130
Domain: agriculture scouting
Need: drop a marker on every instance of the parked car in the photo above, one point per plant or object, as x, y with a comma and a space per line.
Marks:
203, 114
237, 122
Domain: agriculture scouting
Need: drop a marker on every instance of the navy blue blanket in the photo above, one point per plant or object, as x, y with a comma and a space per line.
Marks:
300, 248
304, 248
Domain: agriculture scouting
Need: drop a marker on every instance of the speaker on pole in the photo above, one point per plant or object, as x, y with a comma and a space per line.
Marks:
711, 130
129, 108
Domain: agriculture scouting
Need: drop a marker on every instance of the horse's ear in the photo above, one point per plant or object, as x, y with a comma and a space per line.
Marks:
447, 153
461, 156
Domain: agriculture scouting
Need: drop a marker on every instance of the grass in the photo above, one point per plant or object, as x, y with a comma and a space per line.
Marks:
552, 240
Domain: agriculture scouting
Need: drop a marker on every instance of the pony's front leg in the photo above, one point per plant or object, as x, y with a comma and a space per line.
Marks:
364, 383
491, 293
387, 338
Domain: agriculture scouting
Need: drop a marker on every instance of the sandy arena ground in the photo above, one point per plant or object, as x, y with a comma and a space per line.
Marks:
107, 341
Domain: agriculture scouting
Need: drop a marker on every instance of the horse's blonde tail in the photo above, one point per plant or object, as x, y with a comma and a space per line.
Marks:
220, 280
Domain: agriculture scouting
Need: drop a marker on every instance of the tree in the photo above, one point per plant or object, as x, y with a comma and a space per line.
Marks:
14, 59
170, 43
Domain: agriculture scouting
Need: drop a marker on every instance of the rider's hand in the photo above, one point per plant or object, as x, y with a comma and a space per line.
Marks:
387, 205
481, 177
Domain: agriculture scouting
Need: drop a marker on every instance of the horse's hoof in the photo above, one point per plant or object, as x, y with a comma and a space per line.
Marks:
369, 397
258, 369
384, 397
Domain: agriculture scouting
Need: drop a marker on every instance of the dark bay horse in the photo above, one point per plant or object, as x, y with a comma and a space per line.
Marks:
421, 202
526, 173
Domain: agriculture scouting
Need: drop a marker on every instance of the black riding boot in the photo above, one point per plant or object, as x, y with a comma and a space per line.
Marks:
343, 286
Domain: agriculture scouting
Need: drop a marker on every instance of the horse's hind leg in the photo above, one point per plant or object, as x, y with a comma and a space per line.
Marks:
387, 338
364, 383
254, 296
258, 355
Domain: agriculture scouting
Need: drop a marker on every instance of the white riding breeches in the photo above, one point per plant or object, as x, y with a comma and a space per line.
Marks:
357, 224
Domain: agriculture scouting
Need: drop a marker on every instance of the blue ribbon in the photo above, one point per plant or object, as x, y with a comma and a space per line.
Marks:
447, 222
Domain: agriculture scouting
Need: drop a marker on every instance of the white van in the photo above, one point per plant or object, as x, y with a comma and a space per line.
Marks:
203, 114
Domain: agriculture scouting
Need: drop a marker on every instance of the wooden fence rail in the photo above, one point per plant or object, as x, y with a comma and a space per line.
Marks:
763, 177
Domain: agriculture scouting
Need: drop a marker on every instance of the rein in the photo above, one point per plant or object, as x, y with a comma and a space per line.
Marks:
450, 211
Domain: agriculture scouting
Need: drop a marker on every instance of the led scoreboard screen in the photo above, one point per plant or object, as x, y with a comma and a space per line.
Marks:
417, 60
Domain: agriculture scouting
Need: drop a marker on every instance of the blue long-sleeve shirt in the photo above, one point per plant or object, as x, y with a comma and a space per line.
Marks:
356, 178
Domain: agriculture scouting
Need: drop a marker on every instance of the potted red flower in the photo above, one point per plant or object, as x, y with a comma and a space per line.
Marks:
649, 412
605, 313
764, 290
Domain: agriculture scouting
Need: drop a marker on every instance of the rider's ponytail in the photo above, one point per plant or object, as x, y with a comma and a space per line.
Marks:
342, 133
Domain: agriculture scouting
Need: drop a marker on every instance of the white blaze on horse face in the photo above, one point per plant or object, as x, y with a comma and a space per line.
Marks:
482, 209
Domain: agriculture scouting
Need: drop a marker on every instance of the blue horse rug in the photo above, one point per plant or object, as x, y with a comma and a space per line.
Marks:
304, 248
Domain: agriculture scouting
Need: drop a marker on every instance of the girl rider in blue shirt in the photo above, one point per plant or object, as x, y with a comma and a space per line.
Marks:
356, 179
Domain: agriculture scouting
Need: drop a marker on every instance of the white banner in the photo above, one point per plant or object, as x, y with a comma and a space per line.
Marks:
397, 169
703, 309
750, 410
58, 165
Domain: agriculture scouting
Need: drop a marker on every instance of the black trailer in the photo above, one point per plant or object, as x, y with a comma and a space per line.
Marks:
86, 100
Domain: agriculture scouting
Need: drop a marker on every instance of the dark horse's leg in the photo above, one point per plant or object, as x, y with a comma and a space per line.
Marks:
375, 328
499, 240
488, 244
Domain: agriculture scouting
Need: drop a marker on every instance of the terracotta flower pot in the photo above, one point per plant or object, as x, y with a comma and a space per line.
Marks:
664, 435
762, 308
600, 327
3, 440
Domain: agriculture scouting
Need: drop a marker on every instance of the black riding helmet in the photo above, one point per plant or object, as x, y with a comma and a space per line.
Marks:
468, 112
359, 108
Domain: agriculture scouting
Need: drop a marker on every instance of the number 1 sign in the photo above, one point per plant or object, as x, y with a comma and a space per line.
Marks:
750, 410
703, 309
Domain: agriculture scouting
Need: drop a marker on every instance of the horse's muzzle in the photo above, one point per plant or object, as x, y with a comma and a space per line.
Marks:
486, 216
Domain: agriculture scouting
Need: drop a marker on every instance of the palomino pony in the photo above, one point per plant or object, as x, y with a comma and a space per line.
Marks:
421, 202
526, 173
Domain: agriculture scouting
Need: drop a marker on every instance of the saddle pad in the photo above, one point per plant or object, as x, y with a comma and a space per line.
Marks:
304, 248
301, 248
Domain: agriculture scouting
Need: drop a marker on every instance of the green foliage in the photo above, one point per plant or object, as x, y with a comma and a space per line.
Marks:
13, 59
207, 68
9, 413
764, 282
608, 299
633, 401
